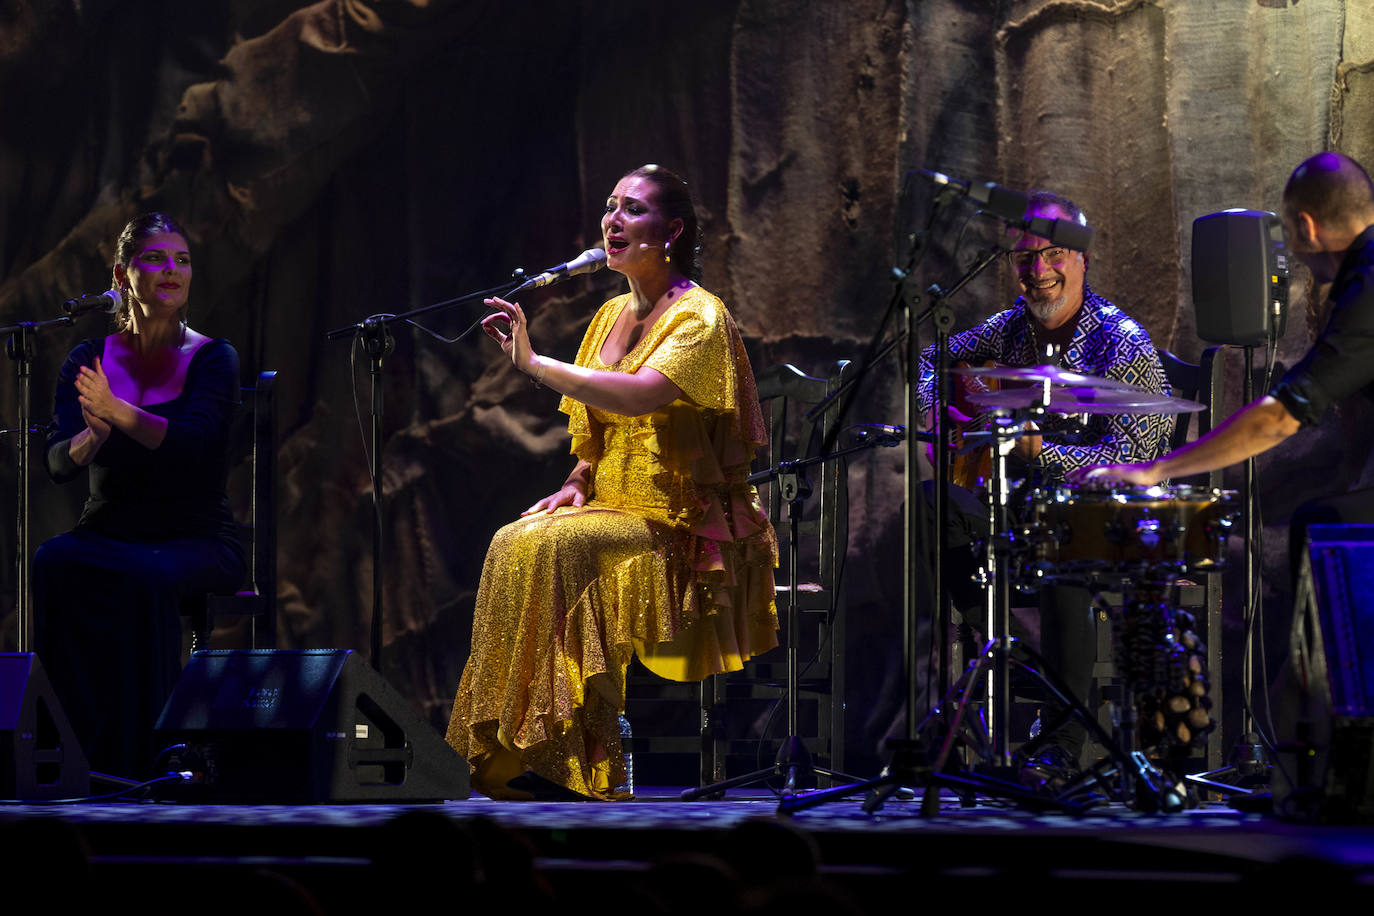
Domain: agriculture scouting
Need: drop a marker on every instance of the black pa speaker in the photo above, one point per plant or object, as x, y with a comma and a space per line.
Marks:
1240, 277
301, 726
1325, 770
40, 757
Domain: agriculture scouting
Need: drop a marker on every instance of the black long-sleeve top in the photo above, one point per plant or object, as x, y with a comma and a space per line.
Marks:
174, 490
1341, 360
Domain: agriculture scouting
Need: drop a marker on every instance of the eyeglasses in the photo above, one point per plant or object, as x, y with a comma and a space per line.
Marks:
1024, 258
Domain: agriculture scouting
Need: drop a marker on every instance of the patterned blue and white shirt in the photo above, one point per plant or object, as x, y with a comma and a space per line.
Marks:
1107, 343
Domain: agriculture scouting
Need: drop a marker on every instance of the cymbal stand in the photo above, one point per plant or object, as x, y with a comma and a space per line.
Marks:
793, 762
1139, 779
1137, 775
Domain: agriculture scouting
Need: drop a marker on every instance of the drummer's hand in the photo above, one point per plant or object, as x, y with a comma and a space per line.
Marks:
513, 337
1141, 474
957, 418
572, 494
1028, 447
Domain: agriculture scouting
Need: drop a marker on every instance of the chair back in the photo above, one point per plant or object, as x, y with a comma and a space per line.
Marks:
253, 433
788, 394
263, 570
1201, 382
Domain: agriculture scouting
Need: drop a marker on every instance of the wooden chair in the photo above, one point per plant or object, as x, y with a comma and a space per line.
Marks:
729, 710
257, 600
727, 700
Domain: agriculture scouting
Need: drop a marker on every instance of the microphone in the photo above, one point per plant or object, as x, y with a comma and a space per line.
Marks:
106, 302
880, 429
888, 435
586, 262
995, 199
1010, 206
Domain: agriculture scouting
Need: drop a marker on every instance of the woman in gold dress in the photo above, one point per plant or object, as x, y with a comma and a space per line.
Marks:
655, 545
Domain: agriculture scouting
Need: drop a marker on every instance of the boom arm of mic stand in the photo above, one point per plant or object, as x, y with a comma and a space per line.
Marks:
353, 330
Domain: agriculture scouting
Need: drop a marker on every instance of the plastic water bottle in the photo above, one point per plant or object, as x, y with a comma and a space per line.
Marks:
625, 737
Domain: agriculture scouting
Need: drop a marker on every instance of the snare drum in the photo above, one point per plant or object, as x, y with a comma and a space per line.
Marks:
1118, 529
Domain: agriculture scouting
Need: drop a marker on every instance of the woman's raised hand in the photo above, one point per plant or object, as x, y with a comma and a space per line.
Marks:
507, 327
100, 429
94, 395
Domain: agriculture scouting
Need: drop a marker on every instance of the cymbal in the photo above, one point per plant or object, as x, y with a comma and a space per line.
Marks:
1071, 399
1036, 374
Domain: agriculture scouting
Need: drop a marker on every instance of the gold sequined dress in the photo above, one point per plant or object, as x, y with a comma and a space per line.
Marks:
671, 558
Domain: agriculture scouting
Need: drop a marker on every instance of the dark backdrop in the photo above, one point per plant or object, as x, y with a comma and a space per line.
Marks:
353, 157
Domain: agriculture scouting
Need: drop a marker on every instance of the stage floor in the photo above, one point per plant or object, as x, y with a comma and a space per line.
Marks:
1214, 851
844, 832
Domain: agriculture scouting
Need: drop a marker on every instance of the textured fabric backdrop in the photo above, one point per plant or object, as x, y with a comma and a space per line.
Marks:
352, 157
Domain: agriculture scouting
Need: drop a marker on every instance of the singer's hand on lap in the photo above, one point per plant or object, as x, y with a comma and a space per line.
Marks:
571, 495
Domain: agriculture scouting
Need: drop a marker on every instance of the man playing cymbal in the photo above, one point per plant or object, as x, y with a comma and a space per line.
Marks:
1093, 338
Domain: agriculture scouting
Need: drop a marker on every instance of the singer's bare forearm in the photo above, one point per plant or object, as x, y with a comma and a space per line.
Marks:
628, 394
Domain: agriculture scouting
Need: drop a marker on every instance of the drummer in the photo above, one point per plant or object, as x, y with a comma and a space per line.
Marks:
1095, 338
1328, 219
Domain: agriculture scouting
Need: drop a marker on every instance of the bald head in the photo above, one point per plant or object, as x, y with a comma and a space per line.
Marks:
1333, 189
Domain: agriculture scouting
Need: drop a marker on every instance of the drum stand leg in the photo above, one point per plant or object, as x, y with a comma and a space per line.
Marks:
987, 739
1140, 783
1125, 774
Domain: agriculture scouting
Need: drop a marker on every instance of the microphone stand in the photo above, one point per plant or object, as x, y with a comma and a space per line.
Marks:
20, 348
375, 334
907, 767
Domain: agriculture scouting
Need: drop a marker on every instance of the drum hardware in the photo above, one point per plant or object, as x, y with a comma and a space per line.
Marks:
909, 764
1137, 780
1159, 533
1140, 541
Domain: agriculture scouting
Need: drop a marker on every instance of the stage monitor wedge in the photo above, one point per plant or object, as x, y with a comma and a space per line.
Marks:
1325, 698
301, 726
1240, 277
40, 757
